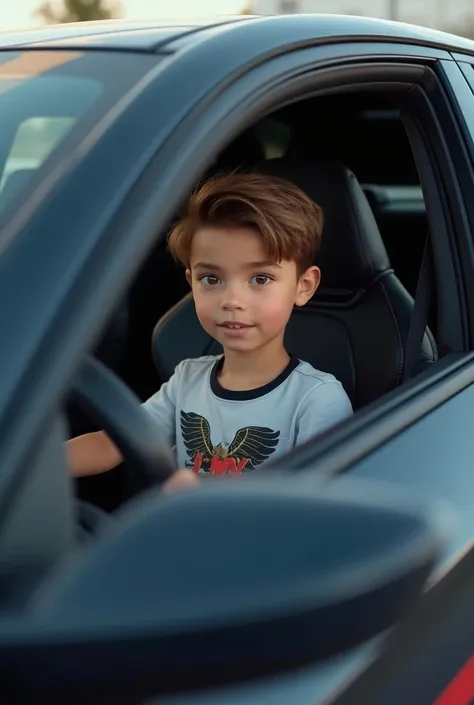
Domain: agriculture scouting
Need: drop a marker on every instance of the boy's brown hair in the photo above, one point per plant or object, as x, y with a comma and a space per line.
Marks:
289, 222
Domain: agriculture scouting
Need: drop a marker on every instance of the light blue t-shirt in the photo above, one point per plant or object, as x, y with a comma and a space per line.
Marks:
218, 431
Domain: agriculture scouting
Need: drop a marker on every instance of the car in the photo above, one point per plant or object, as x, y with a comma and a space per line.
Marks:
341, 572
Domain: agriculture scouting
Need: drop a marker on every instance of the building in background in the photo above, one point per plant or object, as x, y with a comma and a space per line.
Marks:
432, 13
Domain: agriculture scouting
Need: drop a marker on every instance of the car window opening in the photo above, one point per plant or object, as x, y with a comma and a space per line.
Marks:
366, 293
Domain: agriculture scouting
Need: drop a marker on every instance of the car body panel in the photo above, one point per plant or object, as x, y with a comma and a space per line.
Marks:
428, 660
310, 686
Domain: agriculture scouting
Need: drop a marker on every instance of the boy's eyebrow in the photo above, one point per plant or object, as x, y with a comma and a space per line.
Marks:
206, 265
264, 263
249, 265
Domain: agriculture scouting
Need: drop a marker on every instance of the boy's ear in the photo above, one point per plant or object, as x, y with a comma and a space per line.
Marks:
189, 277
307, 285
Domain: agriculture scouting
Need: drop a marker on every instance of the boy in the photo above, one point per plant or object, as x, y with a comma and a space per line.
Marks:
248, 242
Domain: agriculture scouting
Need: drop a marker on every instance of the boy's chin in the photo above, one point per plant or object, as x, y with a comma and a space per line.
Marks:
238, 346
246, 343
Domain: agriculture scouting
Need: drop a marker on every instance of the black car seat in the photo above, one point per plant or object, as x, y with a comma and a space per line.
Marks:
357, 323
369, 136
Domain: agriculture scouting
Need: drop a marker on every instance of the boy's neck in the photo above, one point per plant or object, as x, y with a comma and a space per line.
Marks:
250, 370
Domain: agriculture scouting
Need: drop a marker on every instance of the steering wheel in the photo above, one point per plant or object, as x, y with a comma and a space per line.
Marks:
118, 411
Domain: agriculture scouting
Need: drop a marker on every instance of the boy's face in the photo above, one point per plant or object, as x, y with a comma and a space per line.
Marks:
243, 300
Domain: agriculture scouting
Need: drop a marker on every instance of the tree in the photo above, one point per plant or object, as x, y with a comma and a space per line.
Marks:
61, 11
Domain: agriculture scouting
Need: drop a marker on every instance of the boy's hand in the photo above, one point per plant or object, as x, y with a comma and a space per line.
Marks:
180, 480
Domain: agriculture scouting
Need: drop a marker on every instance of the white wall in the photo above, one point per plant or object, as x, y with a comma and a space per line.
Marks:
435, 13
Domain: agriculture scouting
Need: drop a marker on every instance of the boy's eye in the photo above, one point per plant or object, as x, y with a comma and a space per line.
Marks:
261, 279
209, 280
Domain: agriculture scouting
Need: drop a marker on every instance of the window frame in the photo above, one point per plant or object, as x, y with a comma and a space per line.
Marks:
411, 402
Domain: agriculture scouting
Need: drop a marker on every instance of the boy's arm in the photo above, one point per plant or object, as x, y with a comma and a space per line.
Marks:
323, 407
91, 454
95, 453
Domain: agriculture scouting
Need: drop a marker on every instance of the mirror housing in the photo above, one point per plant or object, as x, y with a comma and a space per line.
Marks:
230, 581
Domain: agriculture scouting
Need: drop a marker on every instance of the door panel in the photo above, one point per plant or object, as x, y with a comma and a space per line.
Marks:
434, 458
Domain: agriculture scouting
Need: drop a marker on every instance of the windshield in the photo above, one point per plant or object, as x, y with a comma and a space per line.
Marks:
48, 102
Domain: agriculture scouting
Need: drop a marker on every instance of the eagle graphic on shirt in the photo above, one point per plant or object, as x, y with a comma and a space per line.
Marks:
250, 447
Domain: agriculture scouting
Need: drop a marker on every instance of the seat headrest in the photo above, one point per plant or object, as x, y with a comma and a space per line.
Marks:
352, 251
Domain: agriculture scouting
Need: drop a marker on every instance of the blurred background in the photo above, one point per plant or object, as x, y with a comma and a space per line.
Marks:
455, 16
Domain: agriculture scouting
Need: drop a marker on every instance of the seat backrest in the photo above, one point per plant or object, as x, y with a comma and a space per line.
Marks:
357, 323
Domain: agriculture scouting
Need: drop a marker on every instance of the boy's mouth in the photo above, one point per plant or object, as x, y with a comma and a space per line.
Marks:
234, 325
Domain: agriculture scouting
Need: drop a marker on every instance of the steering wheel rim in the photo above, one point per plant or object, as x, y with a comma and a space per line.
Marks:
117, 410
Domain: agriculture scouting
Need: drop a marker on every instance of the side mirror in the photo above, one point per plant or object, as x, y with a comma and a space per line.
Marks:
231, 581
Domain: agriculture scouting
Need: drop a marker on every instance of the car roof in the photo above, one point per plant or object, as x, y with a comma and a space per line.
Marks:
133, 35
153, 35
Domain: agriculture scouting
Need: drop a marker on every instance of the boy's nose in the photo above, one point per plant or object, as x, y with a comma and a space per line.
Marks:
232, 300
232, 304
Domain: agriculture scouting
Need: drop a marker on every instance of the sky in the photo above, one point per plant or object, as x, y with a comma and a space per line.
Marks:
19, 13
